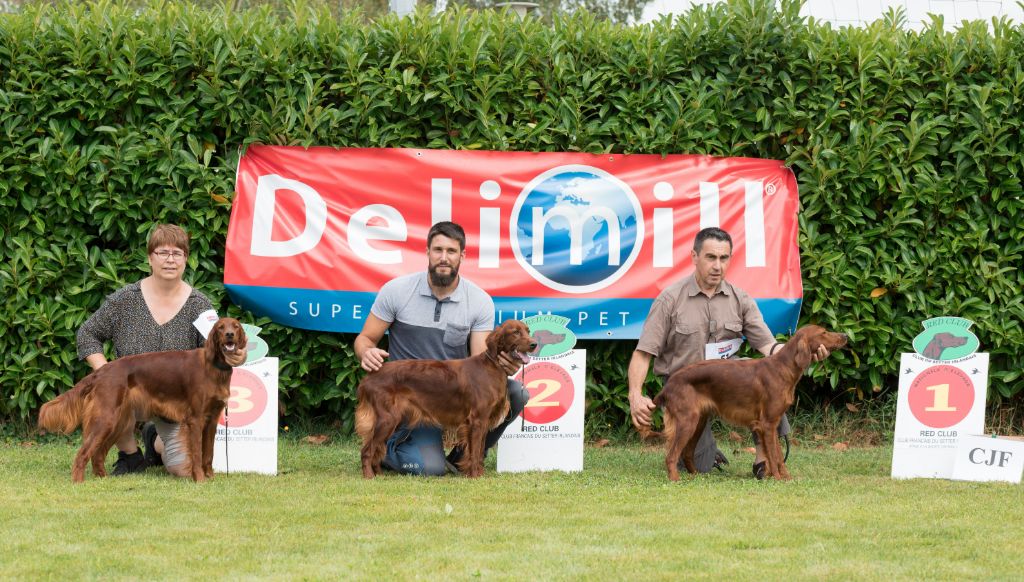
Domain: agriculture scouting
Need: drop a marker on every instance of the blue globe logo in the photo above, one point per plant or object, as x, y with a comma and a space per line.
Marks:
576, 229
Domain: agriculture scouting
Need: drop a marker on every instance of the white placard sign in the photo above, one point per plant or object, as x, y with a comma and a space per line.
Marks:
939, 401
983, 458
205, 322
549, 434
248, 442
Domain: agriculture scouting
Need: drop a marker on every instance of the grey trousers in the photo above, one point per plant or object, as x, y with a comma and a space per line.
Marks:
175, 452
704, 454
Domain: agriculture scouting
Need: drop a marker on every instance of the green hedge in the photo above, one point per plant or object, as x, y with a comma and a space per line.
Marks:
906, 146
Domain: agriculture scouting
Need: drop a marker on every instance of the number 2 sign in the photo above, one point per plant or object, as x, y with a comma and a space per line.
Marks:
550, 434
551, 392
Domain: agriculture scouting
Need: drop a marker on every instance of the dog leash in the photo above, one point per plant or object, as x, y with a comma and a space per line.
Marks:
522, 415
227, 465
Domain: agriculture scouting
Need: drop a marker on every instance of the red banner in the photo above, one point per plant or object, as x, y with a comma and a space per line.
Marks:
315, 232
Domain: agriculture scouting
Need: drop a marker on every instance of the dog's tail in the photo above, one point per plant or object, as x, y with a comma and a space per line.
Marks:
365, 419
64, 413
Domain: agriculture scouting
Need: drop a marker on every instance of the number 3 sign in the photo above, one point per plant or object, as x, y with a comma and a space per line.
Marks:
246, 440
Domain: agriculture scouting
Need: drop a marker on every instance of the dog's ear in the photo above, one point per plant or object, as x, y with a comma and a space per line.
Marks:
492, 341
804, 349
213, 341
240, 338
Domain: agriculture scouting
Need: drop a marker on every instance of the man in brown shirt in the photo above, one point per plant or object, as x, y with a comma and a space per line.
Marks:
699, 317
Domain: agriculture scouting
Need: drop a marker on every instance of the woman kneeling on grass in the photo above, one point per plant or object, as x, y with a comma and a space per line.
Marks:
152, 315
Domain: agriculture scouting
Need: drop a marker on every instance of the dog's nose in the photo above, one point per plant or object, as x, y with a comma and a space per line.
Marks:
533, 345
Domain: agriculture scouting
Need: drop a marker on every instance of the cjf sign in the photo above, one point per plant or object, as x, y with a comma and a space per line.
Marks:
982, 458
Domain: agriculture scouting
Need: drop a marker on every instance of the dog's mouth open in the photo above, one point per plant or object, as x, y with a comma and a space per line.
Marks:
524, 358
234, 354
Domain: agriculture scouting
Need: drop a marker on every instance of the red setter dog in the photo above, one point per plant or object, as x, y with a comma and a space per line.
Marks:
468, 394
750, 393
188, 387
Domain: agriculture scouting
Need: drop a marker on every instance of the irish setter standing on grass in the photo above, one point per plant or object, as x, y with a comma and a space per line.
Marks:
750, 393
467, 394
188, 387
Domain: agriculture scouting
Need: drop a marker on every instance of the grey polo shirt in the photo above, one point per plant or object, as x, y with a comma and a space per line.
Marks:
423, 327
683, 320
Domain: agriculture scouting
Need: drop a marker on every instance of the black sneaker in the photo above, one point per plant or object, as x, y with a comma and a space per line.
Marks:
720, 461
125, 463
153, 458
451, 462
760, 469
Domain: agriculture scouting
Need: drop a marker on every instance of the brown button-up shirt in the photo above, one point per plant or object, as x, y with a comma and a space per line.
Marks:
683, 320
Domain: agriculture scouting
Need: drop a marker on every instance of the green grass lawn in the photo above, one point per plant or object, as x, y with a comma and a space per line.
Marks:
841, 517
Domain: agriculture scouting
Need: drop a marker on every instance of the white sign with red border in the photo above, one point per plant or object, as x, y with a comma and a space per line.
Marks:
246, 439
939, 401
549, 434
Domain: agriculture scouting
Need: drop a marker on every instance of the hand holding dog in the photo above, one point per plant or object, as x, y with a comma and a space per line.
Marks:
373, 359
508, 365
640, 410
817, 356
640, 407
238, 357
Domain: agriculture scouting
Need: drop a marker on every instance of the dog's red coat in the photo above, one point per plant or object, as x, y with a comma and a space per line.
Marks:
468, 394
188, 387
750, 393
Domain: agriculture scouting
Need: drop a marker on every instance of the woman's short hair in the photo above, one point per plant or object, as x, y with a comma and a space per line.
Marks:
167, 235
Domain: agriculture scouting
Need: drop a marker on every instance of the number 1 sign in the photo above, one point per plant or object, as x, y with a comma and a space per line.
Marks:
939, 402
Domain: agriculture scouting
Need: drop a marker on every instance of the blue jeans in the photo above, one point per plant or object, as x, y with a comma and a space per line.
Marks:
420, 451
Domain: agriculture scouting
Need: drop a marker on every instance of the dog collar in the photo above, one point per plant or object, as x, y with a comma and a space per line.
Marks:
221, 365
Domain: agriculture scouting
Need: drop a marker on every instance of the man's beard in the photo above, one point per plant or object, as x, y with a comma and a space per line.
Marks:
440, 280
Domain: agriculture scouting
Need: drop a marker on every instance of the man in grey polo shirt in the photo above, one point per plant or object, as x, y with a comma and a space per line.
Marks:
702, 316
436, 315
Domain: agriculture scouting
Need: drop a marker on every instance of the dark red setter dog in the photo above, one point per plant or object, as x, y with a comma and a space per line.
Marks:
469, 395
750, 393
188, 387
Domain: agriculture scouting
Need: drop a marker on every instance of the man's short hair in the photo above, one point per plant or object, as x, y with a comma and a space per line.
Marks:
450, 230
170, 235
710, 232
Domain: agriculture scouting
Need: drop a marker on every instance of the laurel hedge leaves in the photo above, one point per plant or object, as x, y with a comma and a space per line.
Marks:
906, 145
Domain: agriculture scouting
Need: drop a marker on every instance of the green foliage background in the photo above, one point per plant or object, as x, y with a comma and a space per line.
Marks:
906, 145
